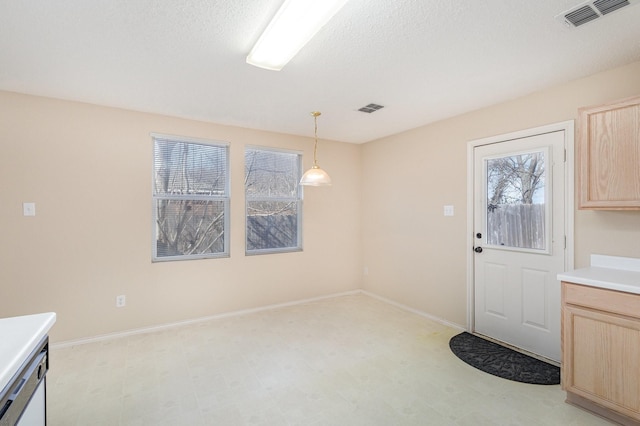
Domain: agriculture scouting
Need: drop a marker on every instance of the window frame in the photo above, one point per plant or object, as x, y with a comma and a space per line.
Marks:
226, 198
298, 199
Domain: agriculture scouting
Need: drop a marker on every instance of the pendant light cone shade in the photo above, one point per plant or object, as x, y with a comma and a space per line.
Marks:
315, 176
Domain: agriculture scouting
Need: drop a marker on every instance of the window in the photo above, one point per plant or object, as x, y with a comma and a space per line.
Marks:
273, 200
190, 199
516, 202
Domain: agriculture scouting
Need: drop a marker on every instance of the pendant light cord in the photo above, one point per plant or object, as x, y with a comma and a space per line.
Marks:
315, 146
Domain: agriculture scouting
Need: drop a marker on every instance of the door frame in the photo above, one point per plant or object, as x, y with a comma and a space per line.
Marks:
569, 201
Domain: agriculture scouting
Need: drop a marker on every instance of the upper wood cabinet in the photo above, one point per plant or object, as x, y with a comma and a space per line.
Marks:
608, 152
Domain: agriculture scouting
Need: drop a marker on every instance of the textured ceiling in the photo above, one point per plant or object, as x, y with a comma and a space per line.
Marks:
424, 60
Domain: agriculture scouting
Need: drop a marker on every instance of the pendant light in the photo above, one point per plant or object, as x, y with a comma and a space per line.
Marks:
315, 176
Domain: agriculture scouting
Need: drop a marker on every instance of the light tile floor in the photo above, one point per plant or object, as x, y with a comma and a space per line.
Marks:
350, 360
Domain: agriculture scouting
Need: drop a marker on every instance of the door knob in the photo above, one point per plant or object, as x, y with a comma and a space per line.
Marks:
478, 249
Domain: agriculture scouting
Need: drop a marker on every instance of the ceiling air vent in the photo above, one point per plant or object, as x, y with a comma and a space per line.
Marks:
581, 16
370, 108
592, 10
608, 6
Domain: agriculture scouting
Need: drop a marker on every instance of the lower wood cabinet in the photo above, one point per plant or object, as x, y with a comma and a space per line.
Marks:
601, 351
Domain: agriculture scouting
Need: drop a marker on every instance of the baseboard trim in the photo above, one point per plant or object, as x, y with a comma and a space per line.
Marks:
144, 330
415, 311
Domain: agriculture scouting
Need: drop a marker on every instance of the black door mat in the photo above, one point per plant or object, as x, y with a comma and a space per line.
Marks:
503, 362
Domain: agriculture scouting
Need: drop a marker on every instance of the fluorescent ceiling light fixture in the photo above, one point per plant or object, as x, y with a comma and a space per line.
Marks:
296, 22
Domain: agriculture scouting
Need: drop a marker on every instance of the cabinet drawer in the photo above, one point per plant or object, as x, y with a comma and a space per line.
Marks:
601, 299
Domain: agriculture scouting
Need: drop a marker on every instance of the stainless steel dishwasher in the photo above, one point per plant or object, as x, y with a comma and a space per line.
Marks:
23, 399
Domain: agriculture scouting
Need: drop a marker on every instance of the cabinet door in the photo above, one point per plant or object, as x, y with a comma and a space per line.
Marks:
601, 359
609, 156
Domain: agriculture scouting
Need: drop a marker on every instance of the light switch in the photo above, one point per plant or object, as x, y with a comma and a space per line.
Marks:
29, 209
448, 210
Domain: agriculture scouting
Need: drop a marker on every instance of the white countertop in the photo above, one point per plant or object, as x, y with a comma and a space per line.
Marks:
609, 272
19, 336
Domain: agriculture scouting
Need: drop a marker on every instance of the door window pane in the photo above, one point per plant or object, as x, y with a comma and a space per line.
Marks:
516, 201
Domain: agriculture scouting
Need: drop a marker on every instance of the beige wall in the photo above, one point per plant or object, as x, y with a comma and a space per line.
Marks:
88, 169
414, 254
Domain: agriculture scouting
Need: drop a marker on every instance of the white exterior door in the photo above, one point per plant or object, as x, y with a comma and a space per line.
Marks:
519, 240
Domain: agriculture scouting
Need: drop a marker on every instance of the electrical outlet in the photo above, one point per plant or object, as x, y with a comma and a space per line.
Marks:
121, 301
